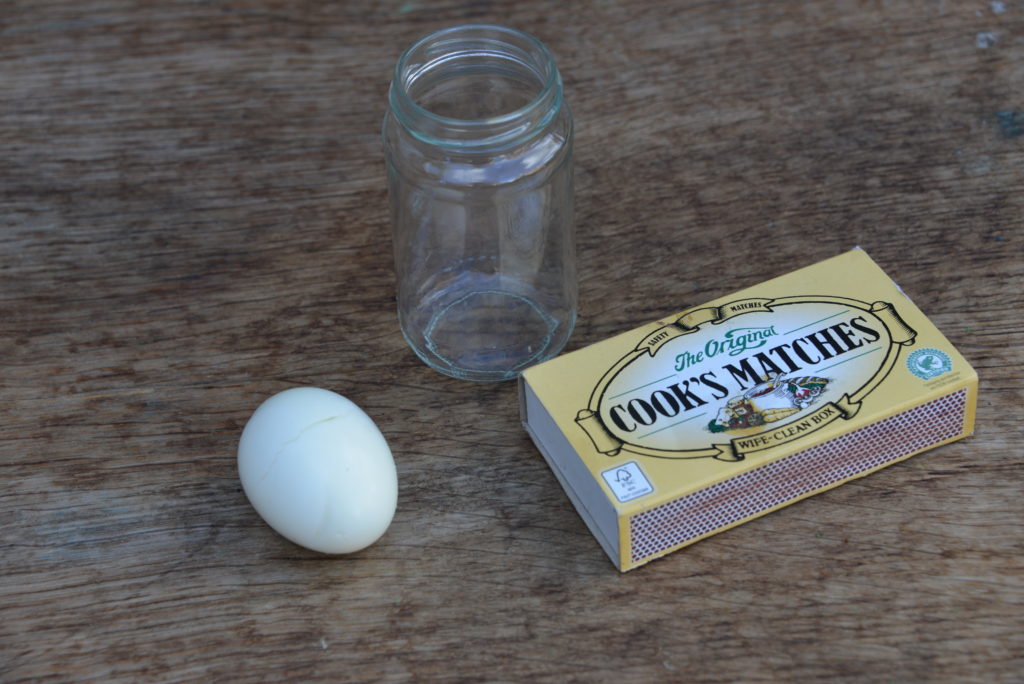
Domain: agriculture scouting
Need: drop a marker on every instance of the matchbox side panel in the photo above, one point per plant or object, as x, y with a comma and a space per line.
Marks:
745, 496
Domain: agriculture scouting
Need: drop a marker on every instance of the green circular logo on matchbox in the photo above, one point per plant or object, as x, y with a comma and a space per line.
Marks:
929, 363
751, 367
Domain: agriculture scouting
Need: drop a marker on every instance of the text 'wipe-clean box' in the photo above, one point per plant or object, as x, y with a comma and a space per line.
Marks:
686, 427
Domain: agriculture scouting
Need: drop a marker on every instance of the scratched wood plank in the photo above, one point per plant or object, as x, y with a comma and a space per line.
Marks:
193, 218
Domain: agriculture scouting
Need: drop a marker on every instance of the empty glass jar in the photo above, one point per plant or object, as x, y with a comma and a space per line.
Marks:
478, 143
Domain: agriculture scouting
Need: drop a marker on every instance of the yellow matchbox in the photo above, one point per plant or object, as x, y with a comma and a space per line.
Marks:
688, 426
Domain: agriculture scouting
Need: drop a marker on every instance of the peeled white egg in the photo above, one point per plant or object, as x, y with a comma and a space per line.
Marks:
317, 470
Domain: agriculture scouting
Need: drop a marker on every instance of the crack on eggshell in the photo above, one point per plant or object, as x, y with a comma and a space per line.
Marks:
325, 519
284, 445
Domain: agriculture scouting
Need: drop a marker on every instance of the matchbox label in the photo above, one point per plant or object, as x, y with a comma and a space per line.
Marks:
725, 381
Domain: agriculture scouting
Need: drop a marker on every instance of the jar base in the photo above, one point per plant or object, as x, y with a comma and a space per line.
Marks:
489, 335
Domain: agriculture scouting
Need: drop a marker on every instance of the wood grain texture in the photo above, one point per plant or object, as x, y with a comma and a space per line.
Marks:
193, 215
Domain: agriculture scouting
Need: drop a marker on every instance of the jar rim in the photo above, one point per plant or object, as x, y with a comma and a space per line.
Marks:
516, 124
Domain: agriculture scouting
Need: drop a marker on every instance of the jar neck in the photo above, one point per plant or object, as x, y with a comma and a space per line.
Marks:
476, 89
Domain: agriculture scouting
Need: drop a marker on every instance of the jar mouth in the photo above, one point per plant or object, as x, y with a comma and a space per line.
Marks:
475, 86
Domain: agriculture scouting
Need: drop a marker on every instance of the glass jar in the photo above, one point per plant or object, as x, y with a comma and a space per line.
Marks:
478, 142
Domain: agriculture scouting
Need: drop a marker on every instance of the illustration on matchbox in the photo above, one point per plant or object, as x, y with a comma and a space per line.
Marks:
723, 382
774, 399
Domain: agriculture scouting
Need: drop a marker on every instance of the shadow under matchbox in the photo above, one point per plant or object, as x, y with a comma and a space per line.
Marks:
686, 427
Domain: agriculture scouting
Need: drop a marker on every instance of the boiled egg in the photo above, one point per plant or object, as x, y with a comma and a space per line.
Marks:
318, 470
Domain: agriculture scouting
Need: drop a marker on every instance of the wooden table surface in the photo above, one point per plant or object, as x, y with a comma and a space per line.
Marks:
193, 212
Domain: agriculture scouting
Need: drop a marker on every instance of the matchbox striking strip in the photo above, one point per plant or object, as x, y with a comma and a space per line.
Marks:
694, 516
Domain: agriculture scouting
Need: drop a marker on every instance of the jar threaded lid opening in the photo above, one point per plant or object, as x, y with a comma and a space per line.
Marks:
476, 87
